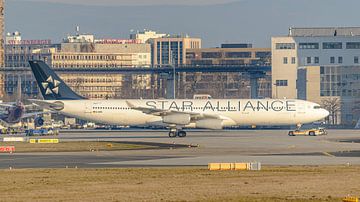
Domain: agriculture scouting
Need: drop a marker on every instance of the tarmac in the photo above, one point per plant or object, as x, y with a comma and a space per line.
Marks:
200, 147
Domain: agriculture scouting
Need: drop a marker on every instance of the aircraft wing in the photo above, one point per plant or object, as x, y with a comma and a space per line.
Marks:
29, 115
11, 104
160, 112
30, 105
47, 104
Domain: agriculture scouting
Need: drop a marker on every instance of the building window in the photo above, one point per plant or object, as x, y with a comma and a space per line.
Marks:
285, 46
340, 60
308, 45
332, 60
317, 60
285, 60
356, 60
322, 70
281, 83
238, 55
190, 55
308, 60
332, 45
293, 60
353, 45
211, 55
263, 54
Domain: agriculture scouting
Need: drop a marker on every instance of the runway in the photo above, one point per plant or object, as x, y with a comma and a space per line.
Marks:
270, 147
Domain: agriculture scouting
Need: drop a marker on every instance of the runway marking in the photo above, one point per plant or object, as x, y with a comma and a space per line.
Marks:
328, 154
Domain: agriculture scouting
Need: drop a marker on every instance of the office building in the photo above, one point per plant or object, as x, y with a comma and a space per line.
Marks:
146, 36
226, 85
229, 54
18, 51
97, 60
79, 51
95, 85
84, 51
320, 65
172, 50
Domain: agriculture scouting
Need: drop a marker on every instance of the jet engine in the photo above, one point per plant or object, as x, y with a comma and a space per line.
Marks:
178, 119
214, 124
38, 121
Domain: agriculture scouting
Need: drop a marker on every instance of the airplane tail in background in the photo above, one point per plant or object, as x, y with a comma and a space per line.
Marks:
52, 87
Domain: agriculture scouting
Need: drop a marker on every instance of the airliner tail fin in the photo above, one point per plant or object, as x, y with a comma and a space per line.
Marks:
52, 87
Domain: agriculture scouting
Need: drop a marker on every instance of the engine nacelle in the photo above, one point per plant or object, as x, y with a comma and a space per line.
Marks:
178, 119
214, 124
38, 121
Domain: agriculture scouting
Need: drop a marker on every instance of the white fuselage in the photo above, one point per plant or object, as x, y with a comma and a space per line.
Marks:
232, 112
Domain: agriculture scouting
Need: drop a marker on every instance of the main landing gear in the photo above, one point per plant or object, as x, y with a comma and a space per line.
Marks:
177, 133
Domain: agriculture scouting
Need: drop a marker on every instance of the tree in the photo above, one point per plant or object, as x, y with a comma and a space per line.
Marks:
333, 106
356, 110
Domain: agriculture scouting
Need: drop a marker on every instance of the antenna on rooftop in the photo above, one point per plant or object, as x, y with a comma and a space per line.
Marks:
77, 30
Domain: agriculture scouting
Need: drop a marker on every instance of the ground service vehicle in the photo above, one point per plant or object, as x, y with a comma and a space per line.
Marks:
12, 131
310, 132
41, 132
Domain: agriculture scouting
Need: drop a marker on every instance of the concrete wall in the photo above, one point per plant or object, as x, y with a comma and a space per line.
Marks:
123, 48
281, 71
313, 84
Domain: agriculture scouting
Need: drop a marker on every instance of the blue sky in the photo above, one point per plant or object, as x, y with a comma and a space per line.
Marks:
215, 21
137, 2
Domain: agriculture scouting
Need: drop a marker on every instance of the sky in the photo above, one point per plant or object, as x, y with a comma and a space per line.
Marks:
215, 21
136, 2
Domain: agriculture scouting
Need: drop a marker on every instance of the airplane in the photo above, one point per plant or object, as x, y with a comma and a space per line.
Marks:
175, 114
11, 115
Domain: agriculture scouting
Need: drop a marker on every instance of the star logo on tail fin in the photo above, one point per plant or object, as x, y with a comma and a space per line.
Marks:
51, 86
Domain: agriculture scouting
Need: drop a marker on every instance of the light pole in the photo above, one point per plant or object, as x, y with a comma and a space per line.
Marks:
173, 63
174, 85
276, 90
153, 91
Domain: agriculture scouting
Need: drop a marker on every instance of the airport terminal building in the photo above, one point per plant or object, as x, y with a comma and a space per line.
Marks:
320, 65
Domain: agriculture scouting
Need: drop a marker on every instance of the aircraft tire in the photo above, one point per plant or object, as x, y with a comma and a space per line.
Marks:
172, 134
181, 133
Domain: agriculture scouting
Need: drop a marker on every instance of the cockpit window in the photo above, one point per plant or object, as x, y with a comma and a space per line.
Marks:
317, 107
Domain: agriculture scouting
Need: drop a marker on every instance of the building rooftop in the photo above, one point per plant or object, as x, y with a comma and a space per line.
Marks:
324, 31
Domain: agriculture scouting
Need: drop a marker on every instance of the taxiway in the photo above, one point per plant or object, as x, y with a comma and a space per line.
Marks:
270, 147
